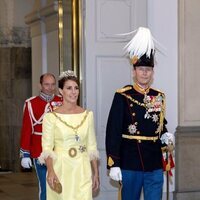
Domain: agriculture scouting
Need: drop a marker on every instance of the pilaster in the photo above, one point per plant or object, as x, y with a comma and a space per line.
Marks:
187, 185
43, 22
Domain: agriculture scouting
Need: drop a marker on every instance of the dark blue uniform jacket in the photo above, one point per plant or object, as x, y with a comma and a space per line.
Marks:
133, 117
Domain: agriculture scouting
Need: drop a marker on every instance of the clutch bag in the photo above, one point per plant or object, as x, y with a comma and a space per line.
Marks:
57, 187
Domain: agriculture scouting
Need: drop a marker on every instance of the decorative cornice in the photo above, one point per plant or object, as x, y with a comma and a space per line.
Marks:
42, 13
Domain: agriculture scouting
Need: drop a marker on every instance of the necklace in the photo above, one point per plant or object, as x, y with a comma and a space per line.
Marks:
74, 128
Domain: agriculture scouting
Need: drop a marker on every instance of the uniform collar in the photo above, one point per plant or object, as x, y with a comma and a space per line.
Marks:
139, 89
46, 97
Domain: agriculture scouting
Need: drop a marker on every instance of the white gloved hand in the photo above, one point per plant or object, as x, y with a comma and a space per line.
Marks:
115, 173
167, 138
26, 162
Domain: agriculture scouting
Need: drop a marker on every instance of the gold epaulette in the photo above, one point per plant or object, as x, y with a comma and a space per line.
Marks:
158, 91
124, 89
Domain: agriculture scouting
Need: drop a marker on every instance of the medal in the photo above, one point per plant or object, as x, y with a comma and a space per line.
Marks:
77, 138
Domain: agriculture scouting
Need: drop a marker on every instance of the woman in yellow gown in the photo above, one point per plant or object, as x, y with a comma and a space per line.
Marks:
69, 146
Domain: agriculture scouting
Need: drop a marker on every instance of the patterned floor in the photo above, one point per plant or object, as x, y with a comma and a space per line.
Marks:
18, 186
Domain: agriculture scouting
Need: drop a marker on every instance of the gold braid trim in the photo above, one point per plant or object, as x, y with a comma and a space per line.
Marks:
133, 100
140, 89
162, 112
138, 137
162, 116
124, 89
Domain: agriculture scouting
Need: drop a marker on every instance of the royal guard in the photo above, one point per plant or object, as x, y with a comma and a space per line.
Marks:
34, 110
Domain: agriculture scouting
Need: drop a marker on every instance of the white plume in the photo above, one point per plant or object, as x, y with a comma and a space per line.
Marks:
142, 43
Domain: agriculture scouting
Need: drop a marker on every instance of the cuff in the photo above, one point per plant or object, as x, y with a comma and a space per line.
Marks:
45, 154
113, 161
24, 153
94, 155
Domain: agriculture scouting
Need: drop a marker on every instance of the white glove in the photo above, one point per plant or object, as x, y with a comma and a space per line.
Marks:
167, 138
115, 173
26, 163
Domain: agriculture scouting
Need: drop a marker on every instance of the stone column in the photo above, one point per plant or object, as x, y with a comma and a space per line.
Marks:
187, 180
43, 22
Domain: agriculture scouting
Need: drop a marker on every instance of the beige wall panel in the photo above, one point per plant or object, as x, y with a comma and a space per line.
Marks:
189, 43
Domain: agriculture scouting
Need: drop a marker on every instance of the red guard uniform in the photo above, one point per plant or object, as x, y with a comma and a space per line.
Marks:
34, 110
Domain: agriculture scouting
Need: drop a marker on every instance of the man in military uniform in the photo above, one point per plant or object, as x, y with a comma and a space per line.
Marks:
34, 110
134, 128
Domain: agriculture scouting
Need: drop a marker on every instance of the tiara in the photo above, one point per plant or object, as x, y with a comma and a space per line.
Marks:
68, 73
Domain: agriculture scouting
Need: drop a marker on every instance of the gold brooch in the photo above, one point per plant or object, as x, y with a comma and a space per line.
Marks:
72, 152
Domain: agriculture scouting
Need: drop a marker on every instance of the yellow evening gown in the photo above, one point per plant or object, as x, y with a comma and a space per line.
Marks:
71, 150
